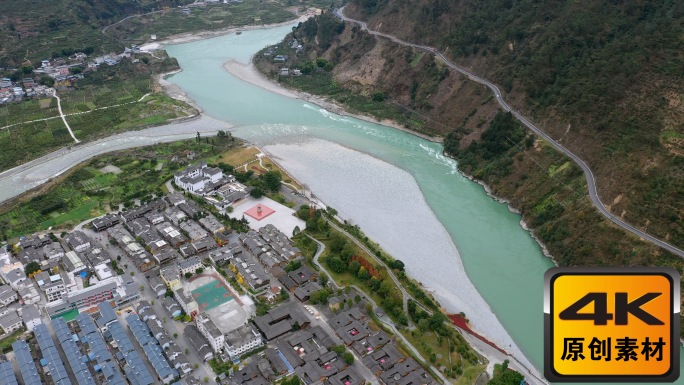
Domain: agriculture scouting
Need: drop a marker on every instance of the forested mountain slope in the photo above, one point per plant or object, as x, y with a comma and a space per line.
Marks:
640, 179
603, 77
32, 30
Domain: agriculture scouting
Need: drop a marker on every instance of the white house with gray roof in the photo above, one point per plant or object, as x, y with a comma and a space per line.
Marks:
209, 330
10, 322
242, 340
189, 265
31, 316
7, 295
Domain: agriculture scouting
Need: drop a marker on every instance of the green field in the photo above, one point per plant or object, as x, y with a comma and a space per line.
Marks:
212, 17
87, 192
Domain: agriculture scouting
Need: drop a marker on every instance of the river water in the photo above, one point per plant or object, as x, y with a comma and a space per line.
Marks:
397, 187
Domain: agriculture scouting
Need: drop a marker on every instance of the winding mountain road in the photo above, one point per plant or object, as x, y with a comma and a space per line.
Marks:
589, 175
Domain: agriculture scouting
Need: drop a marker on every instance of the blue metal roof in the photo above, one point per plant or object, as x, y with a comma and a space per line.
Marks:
107, 314
99, 351
55, 366
7, 376
151, 347
72, 352
136, 371
26, 365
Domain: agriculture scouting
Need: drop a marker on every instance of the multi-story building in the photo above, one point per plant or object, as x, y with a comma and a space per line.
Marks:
111, 289
51, 285
7, 295
249, 271
187, 303
31, 317
29, 294
78, 241
53, 250
74, 263
209, 330
189, 265
171, 277
8, 267
10, 322
199, 179
242, 340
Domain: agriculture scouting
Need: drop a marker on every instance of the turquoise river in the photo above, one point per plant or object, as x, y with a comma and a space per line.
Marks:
397, 187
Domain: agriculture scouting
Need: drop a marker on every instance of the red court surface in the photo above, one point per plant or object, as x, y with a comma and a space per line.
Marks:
259, 211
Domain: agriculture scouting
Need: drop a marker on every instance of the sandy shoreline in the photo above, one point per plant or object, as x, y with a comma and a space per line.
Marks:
249, 74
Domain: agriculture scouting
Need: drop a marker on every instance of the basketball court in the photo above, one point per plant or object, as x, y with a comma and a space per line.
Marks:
211, 295
214, 297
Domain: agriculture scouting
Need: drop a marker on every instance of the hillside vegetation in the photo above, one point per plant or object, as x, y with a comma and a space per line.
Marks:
33, 30
381, 78
604, 77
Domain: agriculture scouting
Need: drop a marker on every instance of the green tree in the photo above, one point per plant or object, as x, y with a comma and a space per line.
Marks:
32, 267
188, 275
47, 81
320, 296
307, 68
323, 279
354, 267
261, 309
294, 380
336, 264
363, 273
256, 192
27, 70
272, 180
378, 96
397, 265
505, 376
348, 358
293, 265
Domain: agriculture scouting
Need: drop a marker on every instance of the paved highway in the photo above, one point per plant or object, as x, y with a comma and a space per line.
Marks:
589, 175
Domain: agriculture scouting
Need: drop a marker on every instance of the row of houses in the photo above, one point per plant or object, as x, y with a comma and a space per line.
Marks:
308, 353
175, 355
